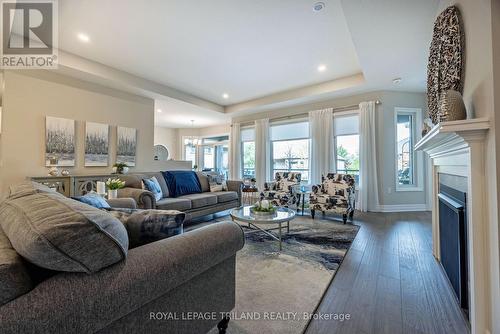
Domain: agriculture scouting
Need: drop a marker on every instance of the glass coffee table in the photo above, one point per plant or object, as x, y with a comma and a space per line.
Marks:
252, 222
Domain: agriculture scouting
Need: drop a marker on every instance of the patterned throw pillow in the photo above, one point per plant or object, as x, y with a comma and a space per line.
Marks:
146, 226
216, 182
93, 199
153, 185
284, 185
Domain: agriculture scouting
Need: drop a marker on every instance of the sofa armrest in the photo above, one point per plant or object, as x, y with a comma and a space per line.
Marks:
144, 199
82, 303
125, 203
235, 185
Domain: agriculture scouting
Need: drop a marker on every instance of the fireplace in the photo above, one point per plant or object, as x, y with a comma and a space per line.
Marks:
453, 235
458, 148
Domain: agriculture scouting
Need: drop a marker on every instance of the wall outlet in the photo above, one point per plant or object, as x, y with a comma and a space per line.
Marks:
389, 190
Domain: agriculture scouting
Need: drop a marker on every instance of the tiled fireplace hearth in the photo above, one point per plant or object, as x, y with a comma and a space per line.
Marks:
456, 150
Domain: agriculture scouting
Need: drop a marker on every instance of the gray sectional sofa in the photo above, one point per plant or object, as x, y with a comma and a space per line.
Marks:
95, 284
195, 204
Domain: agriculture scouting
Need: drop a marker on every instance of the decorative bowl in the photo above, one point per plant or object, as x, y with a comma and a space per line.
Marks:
263, 213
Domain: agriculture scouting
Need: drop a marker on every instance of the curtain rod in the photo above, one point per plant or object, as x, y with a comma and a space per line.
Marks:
337, 109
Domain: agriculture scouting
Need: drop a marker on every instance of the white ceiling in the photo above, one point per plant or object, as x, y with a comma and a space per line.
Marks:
256, 51
247, 49
392, 39
178, 114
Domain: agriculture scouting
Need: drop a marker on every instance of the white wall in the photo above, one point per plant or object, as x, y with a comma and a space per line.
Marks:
30, 96
385, 136
495, 228
169, 138
479, 99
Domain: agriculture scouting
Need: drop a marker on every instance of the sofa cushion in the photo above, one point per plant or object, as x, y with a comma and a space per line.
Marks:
59, 233
153, 185
204, 182
93, 199
146, 226
14, 277
170, 203
201, 200
226, 196
161, 182
182, 182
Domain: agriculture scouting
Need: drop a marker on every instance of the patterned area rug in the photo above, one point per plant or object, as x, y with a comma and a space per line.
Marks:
275, 290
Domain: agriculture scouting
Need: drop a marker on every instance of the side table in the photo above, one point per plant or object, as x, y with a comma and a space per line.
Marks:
249, 195
302, 191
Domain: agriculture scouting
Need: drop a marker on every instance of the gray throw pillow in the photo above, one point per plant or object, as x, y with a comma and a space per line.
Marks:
29, 188
58, 233
146, 226
14, 278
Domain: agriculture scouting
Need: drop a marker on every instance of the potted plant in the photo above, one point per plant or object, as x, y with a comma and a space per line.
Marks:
120, 168
113, 185
263, 208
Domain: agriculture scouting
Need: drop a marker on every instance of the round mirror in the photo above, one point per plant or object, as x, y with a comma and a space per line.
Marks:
161, 153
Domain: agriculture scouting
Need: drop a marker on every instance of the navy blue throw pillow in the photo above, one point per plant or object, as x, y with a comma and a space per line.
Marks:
94, 200
182, 182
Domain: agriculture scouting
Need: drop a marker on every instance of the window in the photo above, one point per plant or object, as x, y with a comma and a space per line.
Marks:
215, 154
248, 152
290, 148
208, 158
346, 136
190, 151
406, 124
222, 159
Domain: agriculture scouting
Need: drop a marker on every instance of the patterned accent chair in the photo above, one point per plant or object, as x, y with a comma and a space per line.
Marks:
280, 191
335, 194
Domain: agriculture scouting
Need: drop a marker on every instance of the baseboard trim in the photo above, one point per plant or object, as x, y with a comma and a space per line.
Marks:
402, 208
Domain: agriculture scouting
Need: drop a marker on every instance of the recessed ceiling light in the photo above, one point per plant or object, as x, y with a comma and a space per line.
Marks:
321, 68
225, 96
396, 80
158, 110
83, 37
318, 6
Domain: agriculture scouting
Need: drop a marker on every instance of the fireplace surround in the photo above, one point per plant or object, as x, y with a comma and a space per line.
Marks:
458, 148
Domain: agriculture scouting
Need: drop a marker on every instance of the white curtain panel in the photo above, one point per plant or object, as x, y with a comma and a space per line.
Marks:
262, 152
235, 152
368, 183
321, 134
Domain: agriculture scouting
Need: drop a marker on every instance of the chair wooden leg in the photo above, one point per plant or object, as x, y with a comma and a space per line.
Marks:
312, 213
344, 218
222, 325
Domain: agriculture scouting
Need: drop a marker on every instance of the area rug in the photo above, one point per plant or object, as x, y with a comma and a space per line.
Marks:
277, 292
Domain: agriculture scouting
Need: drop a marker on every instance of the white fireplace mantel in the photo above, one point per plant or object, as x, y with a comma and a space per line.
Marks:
449, 137
458, 148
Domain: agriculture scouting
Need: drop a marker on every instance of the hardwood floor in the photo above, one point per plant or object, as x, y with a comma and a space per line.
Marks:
390, 282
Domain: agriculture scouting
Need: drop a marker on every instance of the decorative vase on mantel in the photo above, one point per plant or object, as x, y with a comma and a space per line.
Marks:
451, 106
